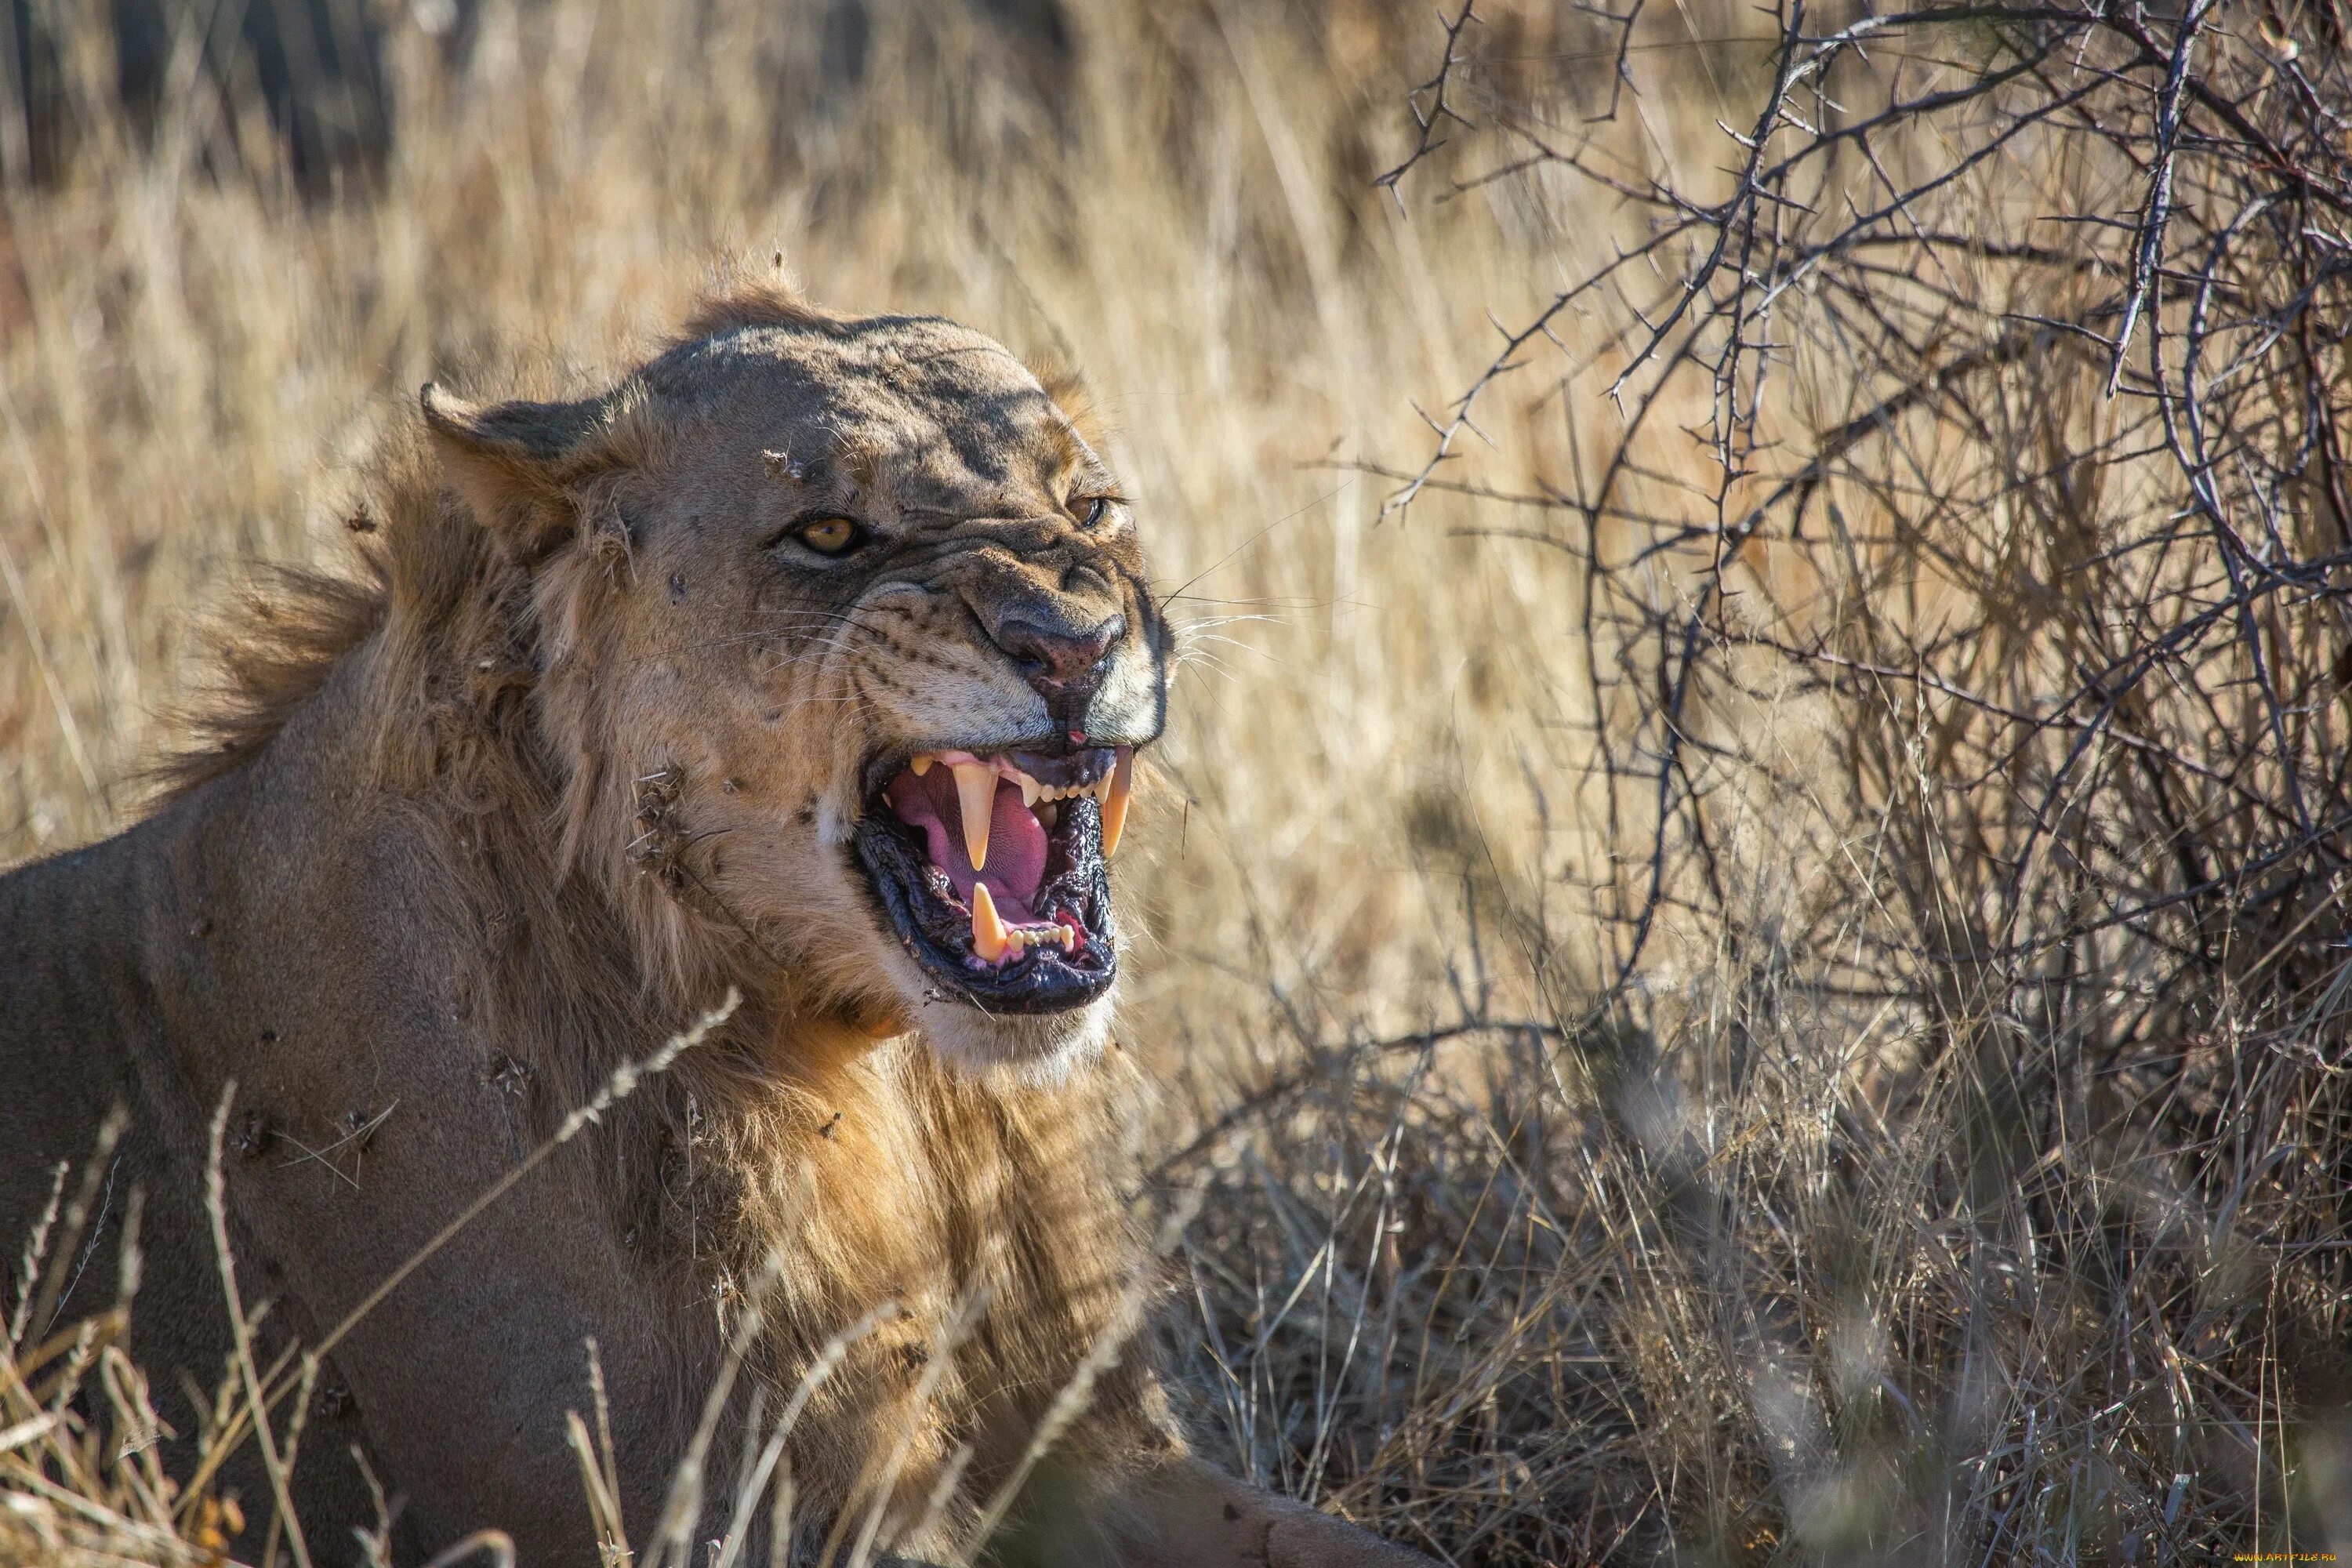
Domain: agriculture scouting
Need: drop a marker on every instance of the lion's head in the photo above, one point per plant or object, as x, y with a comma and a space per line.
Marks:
844, 649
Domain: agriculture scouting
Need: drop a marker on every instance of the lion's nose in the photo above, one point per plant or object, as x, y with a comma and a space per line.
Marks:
1065, 666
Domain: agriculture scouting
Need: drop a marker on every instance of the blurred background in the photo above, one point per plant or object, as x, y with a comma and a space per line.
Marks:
1744, 906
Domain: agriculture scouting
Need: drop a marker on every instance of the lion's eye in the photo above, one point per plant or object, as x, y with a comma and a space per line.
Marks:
1097, 507
831, 535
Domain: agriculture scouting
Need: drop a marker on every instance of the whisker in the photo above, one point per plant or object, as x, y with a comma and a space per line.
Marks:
1331, 494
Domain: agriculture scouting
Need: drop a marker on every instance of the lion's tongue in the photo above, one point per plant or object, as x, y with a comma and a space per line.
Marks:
1016, 839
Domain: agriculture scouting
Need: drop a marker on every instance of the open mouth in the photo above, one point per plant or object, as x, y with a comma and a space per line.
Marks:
991, 871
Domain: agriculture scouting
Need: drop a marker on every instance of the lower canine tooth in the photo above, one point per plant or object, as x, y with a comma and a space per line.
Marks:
989, 937
1116, 788
976, 789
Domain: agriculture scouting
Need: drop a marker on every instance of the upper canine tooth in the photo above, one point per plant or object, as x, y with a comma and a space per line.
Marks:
1121, 782
920, 765
989, 937
976, 788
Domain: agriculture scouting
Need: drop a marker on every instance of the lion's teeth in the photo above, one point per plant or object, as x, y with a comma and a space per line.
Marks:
976, 787
1116, 789
993, 940
1030, 789
989, 937
919, 766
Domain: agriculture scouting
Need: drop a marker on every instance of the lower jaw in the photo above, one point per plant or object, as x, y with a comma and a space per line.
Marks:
1040, 982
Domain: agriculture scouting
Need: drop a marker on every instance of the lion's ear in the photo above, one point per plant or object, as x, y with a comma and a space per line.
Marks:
514, 464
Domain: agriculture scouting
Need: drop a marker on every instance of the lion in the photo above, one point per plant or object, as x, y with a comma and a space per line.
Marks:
808, 663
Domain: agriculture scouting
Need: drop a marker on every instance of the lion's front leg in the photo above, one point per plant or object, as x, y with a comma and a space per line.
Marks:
1187, 1515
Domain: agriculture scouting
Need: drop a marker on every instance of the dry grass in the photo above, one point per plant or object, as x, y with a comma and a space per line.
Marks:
1608, 1157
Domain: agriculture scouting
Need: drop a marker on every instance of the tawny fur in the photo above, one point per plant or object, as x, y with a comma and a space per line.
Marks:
609, 815
974, 1207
